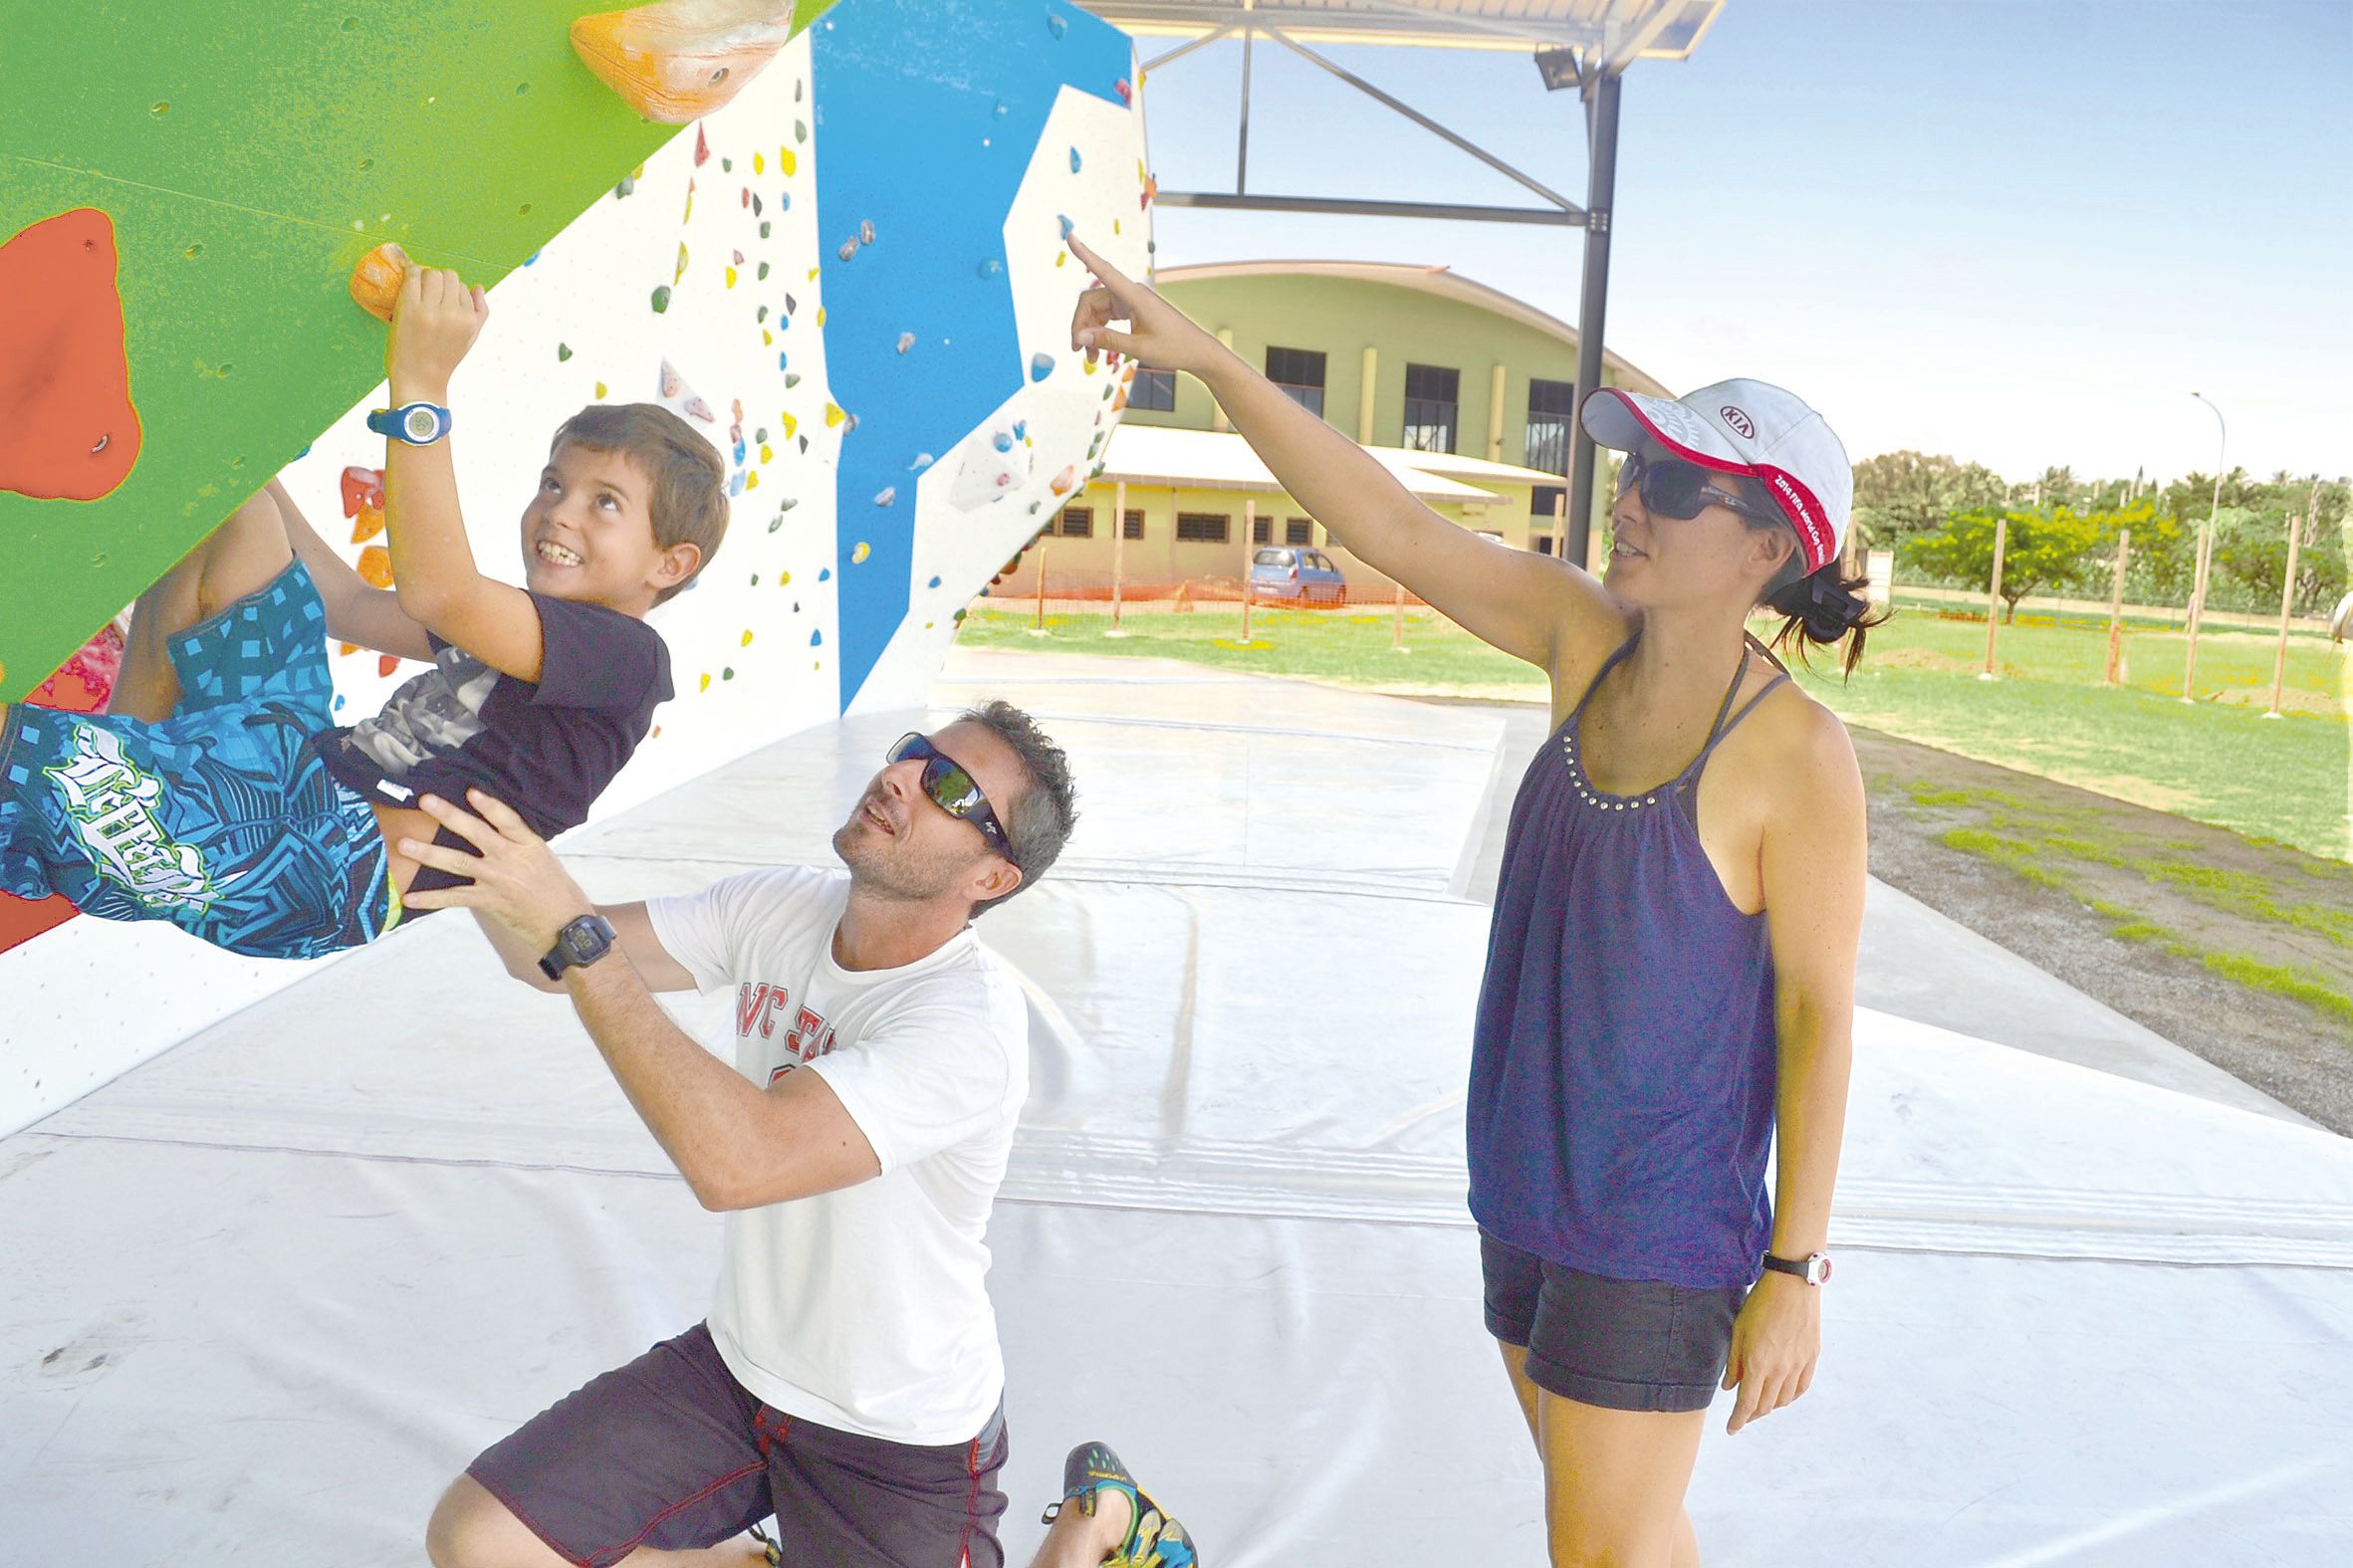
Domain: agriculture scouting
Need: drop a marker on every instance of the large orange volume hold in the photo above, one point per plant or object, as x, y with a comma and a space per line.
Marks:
68, 431
678, 60
376, 280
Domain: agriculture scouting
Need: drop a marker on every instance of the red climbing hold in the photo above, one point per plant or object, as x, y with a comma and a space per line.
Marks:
68, 430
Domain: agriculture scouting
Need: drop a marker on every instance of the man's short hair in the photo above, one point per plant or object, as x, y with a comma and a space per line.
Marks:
686, 482
1042, 815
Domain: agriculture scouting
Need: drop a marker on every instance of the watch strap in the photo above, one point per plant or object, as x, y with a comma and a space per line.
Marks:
1813, 1268
578, 945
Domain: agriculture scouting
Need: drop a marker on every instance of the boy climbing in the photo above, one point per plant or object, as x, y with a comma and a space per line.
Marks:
217, 793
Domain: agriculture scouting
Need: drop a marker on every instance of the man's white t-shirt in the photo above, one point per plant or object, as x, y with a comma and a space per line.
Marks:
864, 1309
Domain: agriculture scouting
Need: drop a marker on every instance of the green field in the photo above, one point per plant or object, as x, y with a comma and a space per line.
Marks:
2216, 761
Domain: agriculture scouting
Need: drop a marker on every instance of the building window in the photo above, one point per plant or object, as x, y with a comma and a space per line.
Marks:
1551, 405
1542, 543
1078, 522
1298, 531
1299, 372
1261, 531
1132, 526
1153, 391
1202, 527
1545, 500
1432, 399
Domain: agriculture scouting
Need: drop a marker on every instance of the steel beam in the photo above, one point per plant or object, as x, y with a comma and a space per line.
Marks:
1601, 197
1228, 202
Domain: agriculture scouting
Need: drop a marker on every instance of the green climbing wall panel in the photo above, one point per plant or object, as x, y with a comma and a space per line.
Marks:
243, 180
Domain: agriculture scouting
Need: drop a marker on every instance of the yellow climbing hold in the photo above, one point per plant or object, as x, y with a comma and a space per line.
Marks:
747, 637
820, 316
706, 686
681, 272
766, 452
857, 556
760, 163
599, 388
1061, 257
767, 339
791, 424
731, 277
783, 579
813, 275
751, 480
834, 414
785, 161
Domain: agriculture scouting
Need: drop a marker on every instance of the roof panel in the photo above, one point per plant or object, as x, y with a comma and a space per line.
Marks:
1513, 25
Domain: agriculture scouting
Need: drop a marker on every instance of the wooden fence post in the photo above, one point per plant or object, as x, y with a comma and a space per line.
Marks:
2116, 606
1118, 552
1994, 597
1038, 623
2287, 600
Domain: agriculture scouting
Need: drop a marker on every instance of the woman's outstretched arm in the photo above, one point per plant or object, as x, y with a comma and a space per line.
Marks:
1526, 604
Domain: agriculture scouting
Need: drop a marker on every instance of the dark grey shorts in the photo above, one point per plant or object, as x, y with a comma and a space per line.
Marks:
1624, 1344
670, 1452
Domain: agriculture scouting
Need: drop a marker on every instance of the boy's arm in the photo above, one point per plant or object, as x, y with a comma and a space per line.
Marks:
355, 612
434, 322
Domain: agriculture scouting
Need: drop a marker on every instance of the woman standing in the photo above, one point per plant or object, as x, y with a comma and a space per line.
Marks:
1670, 977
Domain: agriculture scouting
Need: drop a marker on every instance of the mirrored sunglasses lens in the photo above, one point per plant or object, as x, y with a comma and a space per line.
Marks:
950, 786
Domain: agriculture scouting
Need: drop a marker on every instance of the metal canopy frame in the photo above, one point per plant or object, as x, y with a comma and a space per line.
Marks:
1581, 44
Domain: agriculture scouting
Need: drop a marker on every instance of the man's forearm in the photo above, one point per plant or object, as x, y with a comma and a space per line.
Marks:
704, 1114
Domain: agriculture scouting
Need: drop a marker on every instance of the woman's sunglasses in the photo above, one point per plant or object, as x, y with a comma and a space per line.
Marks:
954, 790
1673, 487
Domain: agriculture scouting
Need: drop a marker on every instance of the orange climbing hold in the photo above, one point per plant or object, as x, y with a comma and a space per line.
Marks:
367, 524
363, 487
375, 566
680, 60
68, 430
376, 281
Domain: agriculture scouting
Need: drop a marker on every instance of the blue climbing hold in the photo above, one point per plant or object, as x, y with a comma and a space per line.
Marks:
1040, 365
1073, 160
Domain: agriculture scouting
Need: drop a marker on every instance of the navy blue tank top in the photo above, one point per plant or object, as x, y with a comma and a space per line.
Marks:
1624, 1062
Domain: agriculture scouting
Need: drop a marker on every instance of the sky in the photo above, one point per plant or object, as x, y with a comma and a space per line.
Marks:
2019, 233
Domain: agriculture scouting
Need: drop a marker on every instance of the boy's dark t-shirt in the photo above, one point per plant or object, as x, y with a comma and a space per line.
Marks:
547, 750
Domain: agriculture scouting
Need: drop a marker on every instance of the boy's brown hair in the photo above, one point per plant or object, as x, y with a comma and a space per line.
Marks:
687, 482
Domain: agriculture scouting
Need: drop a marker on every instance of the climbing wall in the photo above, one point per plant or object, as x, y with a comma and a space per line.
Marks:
851, 278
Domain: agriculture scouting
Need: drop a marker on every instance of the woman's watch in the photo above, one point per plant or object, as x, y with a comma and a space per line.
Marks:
584, 942
1814, 1270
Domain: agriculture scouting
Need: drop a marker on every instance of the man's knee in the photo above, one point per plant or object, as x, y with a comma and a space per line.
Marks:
470, 1529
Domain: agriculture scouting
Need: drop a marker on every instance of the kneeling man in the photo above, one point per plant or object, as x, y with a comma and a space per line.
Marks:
848, 1379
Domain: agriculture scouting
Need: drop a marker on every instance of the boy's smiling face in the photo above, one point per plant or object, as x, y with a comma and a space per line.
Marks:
587, 534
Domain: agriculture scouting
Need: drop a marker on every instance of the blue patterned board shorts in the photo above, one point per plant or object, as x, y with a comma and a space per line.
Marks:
221, 819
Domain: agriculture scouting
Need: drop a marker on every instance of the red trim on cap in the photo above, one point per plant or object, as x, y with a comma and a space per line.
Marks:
1815, 537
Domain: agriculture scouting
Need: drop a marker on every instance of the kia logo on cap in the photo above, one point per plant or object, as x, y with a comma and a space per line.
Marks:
1739, 421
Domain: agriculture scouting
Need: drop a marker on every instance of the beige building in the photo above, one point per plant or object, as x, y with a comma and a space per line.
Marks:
1461, 392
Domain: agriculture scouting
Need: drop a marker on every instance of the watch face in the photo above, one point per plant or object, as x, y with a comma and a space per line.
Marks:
421, 423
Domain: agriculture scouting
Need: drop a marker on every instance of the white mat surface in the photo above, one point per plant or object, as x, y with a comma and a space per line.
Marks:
266, 1293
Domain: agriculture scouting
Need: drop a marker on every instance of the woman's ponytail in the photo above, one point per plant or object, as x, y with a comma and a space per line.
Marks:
1822, 607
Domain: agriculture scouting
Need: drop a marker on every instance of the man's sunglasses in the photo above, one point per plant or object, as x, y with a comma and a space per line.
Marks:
1674, 486
954, 790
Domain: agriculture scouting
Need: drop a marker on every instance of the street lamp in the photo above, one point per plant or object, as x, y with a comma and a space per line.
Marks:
2206, 546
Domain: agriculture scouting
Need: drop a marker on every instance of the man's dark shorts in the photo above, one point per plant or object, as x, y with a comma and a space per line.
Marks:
1624, 1344
670, 1452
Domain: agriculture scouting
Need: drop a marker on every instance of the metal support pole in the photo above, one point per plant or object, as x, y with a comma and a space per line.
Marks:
1249, 550
1242, 139
1118, 552
1993, 599
2116, 606
2287, 600
1600, 199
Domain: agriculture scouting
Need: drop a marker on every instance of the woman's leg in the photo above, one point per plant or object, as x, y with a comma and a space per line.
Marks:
1614, 1479
244, 555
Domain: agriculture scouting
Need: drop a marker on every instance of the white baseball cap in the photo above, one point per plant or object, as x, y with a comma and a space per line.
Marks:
1744, 427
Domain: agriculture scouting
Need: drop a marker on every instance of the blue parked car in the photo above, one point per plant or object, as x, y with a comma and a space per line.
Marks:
1304, 576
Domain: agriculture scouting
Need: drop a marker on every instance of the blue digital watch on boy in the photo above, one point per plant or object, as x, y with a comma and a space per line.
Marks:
417, 424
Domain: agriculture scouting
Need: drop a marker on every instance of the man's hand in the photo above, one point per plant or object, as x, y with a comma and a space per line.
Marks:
1158, 335
1775, 1342
518, 881
435, 320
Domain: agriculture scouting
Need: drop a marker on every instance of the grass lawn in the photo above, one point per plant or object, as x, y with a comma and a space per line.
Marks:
2216, 761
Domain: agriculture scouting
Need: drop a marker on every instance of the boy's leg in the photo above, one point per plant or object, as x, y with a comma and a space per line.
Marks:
1086, 1540
243, 555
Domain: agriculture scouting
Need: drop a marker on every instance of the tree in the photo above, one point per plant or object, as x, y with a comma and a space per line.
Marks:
2047, 548
1901, 492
